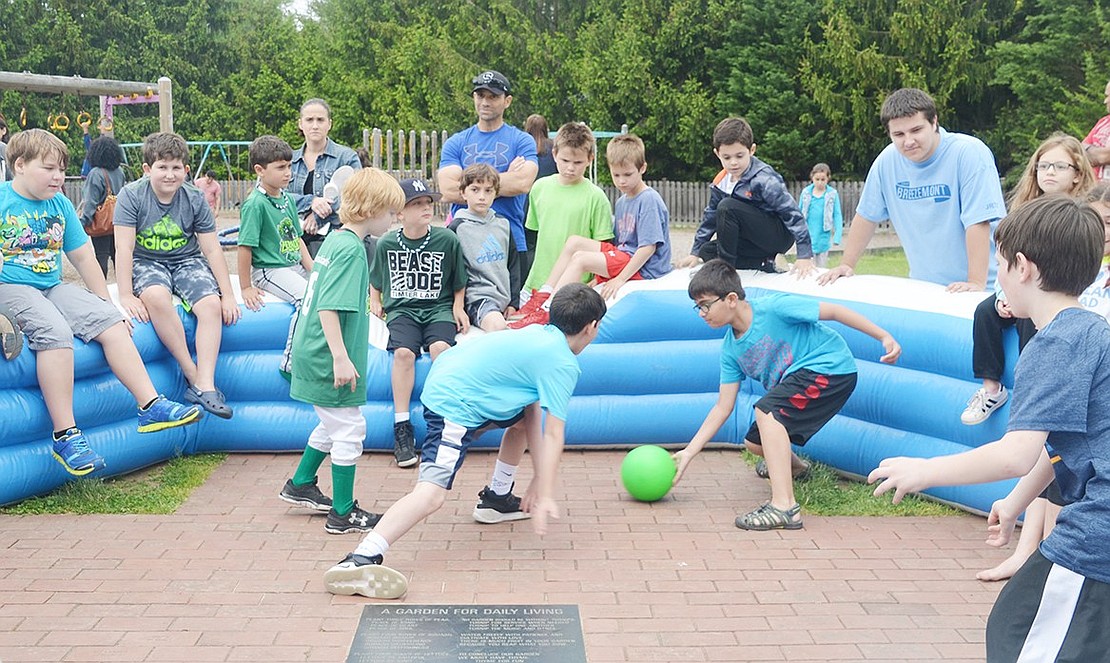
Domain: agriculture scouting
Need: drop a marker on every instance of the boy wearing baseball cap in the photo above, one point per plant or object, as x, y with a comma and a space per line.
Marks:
418, 285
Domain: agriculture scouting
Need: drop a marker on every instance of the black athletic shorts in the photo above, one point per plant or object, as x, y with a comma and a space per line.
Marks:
803, 402
404, 332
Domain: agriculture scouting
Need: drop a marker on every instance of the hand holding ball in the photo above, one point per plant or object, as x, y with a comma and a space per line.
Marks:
647, 473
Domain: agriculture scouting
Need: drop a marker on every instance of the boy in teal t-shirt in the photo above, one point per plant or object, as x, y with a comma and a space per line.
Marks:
329, 352
272, 255
37, 225
806, 368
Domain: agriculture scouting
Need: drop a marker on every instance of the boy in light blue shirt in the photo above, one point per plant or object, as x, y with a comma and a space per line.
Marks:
806, 367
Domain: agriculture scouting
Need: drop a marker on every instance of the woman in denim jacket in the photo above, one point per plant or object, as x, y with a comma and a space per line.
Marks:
312, 168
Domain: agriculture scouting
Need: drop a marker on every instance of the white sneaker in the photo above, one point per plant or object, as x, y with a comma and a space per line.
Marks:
981, 405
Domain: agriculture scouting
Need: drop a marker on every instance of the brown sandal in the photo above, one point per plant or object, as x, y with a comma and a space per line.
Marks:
768, 517
761, 471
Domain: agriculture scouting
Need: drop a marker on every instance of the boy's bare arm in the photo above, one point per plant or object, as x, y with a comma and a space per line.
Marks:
125, 255
846, 316
638, 260
1005, 512
545, 463
376, 302
458, 311
1015, 455
718, 415
252, 296
84, 261
210, 247
343, 370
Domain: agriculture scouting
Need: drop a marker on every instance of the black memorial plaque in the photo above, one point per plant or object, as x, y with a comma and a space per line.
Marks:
468, 634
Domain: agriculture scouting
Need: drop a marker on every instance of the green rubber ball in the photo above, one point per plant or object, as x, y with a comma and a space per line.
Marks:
647, 472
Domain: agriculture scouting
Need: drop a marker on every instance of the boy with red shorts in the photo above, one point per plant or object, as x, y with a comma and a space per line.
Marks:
641, 247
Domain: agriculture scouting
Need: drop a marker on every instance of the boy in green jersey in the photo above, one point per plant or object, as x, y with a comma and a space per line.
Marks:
272, 256
329, 352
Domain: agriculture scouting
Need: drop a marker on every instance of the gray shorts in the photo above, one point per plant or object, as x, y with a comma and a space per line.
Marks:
480, 308
51, 318
189, 278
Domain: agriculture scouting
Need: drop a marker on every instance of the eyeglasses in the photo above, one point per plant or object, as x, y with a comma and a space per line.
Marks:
703, 307
1057, 166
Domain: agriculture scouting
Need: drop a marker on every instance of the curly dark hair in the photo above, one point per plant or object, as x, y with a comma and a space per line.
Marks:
105, 152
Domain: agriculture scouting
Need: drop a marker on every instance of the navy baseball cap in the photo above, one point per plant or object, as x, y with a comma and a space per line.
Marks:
494, 81
418, 188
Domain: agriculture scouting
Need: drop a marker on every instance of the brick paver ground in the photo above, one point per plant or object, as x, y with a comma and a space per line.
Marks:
236, 574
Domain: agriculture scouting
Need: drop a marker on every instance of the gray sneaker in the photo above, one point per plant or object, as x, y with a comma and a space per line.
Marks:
355, 521
307, 496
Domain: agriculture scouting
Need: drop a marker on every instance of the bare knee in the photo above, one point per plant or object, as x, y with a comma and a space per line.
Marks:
404, 358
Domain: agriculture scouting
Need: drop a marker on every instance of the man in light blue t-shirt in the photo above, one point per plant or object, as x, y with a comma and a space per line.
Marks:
510, 151
941, 192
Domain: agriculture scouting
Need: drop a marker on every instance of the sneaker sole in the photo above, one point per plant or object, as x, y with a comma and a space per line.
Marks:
348, 529
408, 463
307, 504
165, 425
372, 581
493, 516
74, 471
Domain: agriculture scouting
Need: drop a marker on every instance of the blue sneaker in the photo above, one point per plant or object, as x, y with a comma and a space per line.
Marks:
164, 413
73, 452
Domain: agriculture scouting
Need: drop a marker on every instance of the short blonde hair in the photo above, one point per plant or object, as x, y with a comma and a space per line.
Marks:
626, 149
35, 144
369, 193
575, 136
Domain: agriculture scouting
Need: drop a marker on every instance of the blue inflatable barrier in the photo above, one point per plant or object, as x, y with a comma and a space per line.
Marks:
651, 377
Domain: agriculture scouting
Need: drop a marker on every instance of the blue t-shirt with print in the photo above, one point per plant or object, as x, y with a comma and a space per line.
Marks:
1062, 386
498, 149
33, 236
931, 204
785, 336
495, 376
643, 220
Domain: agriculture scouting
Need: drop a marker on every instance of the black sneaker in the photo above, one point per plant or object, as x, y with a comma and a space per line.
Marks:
404, 444
308, 496
770, 266
493, 508
358, 574
355, 521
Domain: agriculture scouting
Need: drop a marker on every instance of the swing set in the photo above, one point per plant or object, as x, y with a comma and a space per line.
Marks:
111, 92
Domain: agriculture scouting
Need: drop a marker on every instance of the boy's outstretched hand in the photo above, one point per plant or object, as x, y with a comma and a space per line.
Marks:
902, 475
891, 348
681, 460
1000, 524
541, 509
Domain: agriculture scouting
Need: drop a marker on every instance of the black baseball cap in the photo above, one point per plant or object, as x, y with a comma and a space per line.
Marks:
418, 188
494, 81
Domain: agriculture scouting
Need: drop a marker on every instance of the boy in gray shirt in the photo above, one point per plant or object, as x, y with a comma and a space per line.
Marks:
166, 245
493, 282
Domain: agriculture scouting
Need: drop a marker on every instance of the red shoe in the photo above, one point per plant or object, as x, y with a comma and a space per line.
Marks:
537, 317
533, 304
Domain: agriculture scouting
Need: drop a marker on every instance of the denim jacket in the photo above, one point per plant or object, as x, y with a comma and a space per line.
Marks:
333, 156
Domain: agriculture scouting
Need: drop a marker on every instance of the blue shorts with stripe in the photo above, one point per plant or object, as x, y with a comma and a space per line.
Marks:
446, 445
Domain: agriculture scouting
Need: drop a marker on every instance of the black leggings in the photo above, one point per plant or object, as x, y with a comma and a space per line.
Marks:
988, 358
746, 235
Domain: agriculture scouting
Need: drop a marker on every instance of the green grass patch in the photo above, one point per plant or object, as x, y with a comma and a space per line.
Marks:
157, 490
826, 493
882, 262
